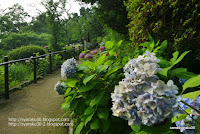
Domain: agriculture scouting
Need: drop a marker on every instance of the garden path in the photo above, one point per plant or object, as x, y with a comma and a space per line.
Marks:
34, 101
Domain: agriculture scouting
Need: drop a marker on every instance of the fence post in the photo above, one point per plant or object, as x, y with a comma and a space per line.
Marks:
6, 76
34, 68
73, 49
50, 62
65, 53
79, 47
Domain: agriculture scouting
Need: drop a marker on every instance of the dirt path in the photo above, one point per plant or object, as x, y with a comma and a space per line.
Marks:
34, 101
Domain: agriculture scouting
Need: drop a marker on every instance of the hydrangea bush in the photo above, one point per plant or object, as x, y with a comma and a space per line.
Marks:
68, 68
141, 98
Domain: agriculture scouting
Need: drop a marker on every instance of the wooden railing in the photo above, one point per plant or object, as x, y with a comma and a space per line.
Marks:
34, 58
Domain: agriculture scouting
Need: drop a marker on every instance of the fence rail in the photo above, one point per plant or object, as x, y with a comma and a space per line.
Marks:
34, 58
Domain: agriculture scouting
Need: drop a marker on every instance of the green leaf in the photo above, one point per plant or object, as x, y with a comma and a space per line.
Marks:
164, 71
72, 82
152, 46
79, 128
197, 125
106, 125
87, 79
112, 52
103, 114
89, 110
65, 106
175, 56
87, 87
156, 49
150, 37
109, 62
102, 68
180, 57
186, 75
191, 95
112, 71
96, 100
70, 93
177, 71
100, 60
180, 117
119, 43
163, 45
88, 119
73, 104
109, 44
125, 60
91, 65
95, 125
145, 44
192, 82
135, 128
83, 67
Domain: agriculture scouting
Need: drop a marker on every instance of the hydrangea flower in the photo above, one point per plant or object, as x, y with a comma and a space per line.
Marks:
101, 49
94, 52
68, 68
188, 121
46, 46
87, 56
88, 51
182, 81
81, 55
141, 98
59, 88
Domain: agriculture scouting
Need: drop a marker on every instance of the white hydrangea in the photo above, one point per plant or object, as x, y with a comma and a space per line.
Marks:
141, 98
68, 68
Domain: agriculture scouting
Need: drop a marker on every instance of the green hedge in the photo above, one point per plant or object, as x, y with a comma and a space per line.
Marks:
174, 20
25, 52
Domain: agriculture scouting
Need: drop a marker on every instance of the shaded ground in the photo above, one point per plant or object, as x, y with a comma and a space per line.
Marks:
34, 101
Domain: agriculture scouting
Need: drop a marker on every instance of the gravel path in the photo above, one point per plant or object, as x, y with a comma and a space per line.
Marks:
34, 101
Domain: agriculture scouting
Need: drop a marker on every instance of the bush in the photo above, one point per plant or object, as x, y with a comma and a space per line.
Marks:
15, 40
25, 52
174, 20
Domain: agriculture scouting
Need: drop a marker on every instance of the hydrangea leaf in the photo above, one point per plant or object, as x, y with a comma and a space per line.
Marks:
73, 104
186, 75
180, 117
95, 125
79, 128
125, 60
175, 56
109, 44
88, 118
180, 58
192, 82
150, 37
72, 82
91, 65
197, 125
89, 110
88, 78
83, 67
165, 71
106, 125
112, 52
102, 68
97, 99
191, 95
100, 60
112, 71
163, 45
87, 87
177, 71
103, 114
135, 128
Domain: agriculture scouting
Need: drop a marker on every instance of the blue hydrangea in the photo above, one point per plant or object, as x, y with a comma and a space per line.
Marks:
188, 121
59, 88
182, 81
141, 98
68, 68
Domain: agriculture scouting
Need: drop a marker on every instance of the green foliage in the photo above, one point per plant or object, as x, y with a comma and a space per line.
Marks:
25, 52
1, 79
165, 20
15, 40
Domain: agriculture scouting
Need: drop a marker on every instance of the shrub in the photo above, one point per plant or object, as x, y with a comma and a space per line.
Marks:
25, 52
15, 40
174, 20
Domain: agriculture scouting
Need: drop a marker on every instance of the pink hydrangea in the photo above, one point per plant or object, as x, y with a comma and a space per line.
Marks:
101, 49
94, 52
81, 55
88, 56
88, 51
45, 46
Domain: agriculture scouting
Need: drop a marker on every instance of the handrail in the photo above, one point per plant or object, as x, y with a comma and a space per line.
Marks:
6, 62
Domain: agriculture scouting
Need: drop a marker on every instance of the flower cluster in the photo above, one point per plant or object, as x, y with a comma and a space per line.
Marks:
59, 88
94, 52
82, 55
87, 56
68, 68
188, 121
101, 49
141, 98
